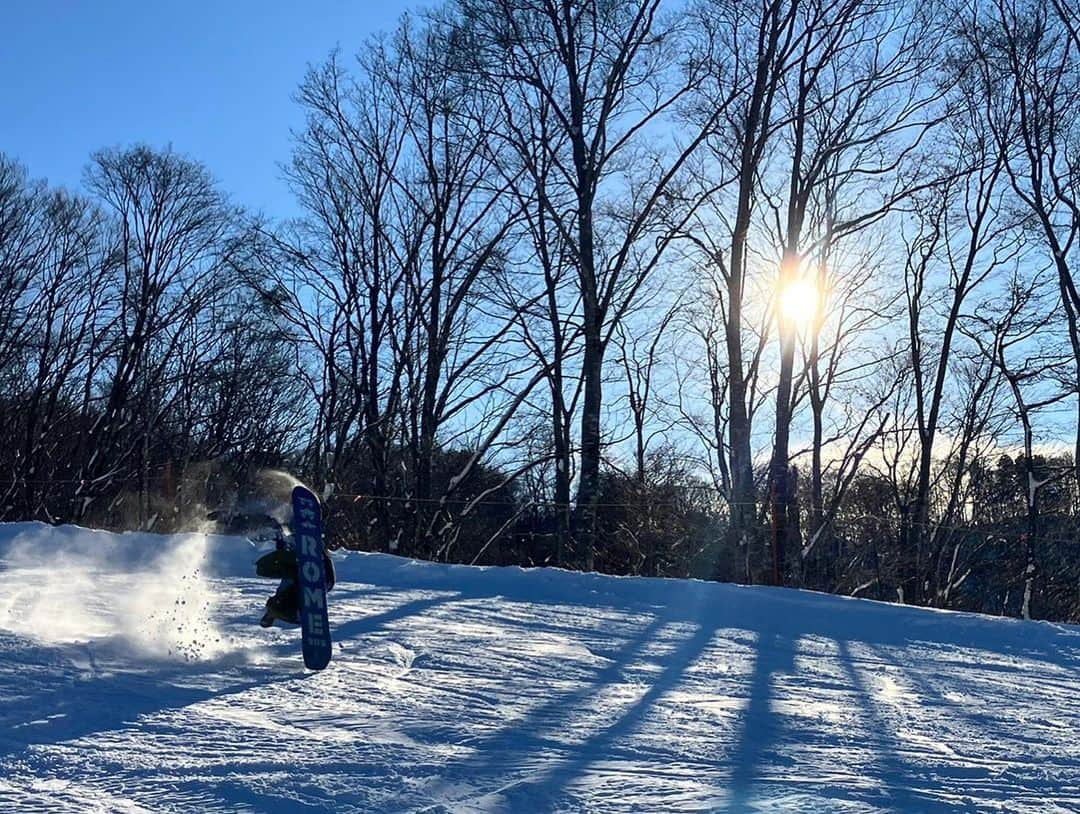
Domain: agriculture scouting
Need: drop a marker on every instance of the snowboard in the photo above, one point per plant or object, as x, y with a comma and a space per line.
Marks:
314, 620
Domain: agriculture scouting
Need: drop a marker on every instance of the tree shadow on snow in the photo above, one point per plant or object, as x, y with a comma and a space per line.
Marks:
528, 764
889, 780
66, 705
987, 725
506, 749
344, 631
761, 729
531, 766
556, 781
902, 785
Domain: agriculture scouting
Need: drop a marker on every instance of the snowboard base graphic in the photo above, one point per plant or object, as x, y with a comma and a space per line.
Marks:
314, 619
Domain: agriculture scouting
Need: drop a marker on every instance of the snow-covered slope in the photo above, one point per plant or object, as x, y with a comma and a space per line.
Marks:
133, 678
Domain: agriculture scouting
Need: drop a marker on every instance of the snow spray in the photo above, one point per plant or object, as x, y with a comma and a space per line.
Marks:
141, 591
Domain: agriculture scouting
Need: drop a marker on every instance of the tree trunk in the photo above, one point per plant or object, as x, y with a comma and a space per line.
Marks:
589, 474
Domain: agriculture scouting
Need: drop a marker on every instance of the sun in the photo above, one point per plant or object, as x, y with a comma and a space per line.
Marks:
799, 301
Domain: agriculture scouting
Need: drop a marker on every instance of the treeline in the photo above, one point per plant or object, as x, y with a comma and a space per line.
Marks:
777, 291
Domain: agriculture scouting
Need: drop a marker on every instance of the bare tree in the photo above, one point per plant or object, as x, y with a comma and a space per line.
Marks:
1021, 342
855, 110
755, 45
607, 74
172, 231
963, 236
1023, 59
55, 280
394, 275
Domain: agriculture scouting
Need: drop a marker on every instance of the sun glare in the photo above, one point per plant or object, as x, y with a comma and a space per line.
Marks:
799, 302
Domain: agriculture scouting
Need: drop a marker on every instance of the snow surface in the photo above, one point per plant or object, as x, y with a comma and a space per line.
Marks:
133, 678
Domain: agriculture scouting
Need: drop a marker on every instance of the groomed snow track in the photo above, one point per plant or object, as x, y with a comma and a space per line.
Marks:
133, 678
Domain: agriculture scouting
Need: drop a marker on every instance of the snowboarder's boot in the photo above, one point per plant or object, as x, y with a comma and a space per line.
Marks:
274, 613
284, 605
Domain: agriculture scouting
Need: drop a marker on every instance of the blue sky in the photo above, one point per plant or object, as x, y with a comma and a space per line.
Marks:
214, 79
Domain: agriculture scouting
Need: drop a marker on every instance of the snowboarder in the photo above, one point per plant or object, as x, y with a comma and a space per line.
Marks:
281, 563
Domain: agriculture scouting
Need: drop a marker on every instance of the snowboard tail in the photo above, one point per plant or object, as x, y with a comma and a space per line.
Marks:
314, 619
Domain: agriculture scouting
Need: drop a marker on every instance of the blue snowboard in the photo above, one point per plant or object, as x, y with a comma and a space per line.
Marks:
314, 621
